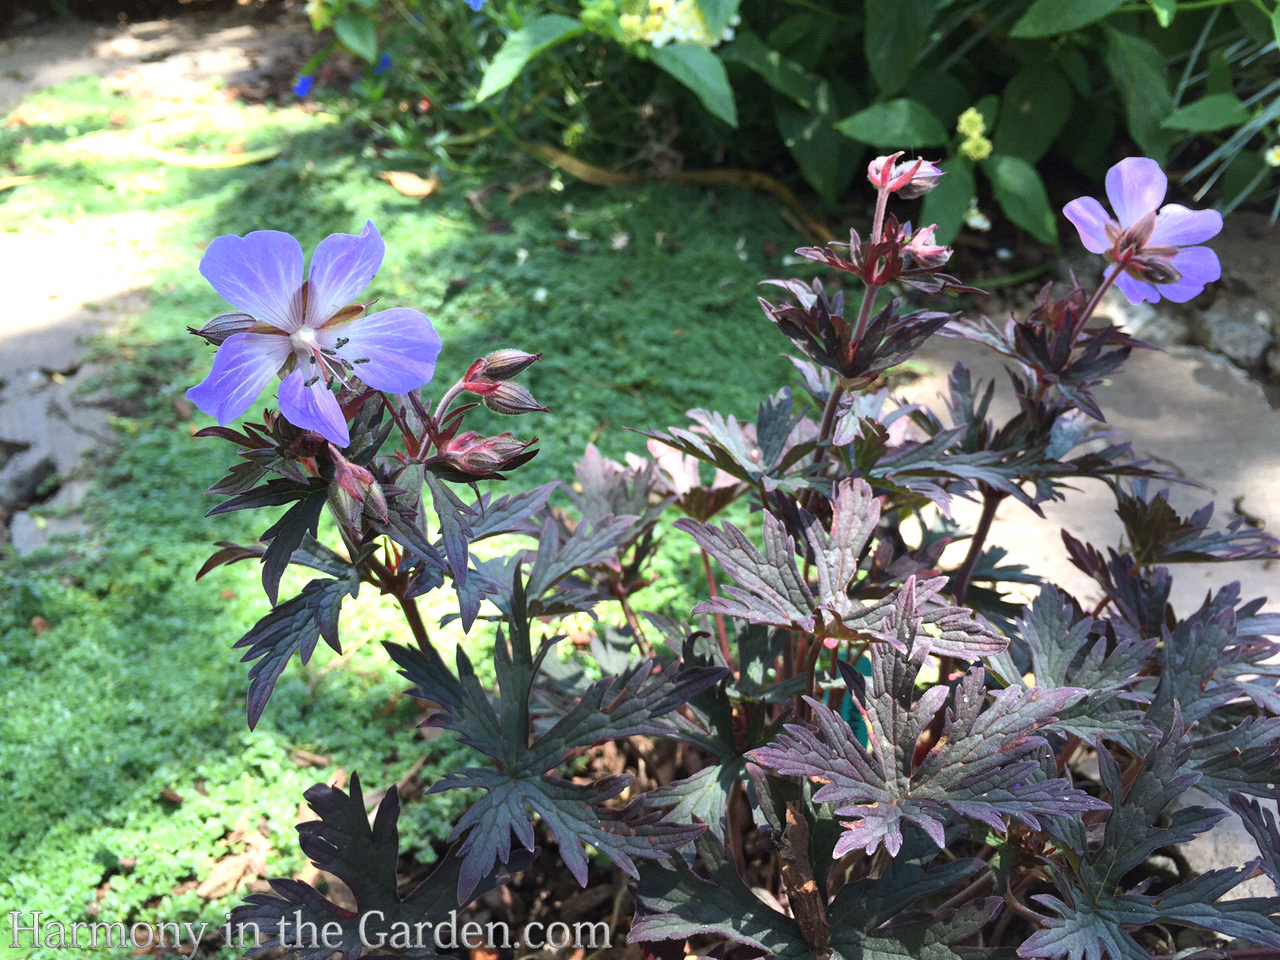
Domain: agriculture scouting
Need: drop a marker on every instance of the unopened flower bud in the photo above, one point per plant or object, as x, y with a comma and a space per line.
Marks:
512, 399
924, 251
909, 179
505, 364
218, 329
353, 489
478, 456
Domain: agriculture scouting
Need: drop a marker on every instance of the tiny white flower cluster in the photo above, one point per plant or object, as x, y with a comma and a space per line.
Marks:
674, 21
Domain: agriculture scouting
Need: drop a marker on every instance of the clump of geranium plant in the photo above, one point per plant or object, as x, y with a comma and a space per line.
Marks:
879, 755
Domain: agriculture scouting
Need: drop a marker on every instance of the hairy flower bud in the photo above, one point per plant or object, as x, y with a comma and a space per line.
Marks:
506, 364
924, 251
477, 456
352, 490
512, 399
218, 329
909, 179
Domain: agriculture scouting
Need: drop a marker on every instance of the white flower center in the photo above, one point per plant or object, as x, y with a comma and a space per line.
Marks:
303, 340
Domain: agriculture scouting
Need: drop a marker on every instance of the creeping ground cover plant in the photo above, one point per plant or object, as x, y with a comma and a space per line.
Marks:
854, 746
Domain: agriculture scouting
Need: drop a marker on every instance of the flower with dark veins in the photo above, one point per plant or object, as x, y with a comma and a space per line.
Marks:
307, 331
1153, 246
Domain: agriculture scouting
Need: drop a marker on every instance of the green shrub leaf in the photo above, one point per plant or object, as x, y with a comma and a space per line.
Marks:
946, 203
358, 34
896, 30
1045, 18
1021, 195
901, 123
1036, 106
521, 47
717, 13
1214, 112
785, 76
702, 72
1164, 11
826, 159
1139, 71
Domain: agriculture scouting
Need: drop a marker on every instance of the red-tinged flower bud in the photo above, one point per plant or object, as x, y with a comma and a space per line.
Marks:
512, 399
353, 489
506, 364
480, 456
909, 179
924, 251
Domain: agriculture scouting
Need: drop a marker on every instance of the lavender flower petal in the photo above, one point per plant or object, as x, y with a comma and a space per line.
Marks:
1137, 291
1198, 266
313, 408
242, 368
259, 273
341, 267
1179, 226
1090, 219
400, 345
1135, 187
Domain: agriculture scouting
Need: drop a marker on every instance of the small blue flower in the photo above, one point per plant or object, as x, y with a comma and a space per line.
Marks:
384, 64
303, 86
475, 4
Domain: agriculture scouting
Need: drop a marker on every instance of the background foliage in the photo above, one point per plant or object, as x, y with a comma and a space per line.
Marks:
997, 88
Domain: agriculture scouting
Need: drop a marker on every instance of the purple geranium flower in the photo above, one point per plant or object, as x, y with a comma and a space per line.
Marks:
1154, 248
303, 86
308, 331
475, 4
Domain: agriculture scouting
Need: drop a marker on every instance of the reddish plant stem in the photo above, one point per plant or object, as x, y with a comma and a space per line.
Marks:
447, 399
1107, 280
711, 589
633, 621
799, 662
990, 504
811, 667
869, 297
414, 619
827, 426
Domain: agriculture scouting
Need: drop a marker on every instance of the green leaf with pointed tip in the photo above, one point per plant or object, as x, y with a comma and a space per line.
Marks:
717, 14
1035, 107
782, 74
948, 202
359, 34
896, 30
1214, 112
1022, 196
827, 160
903, 124
533, 38
1142, 79
1046, 18
702, 72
